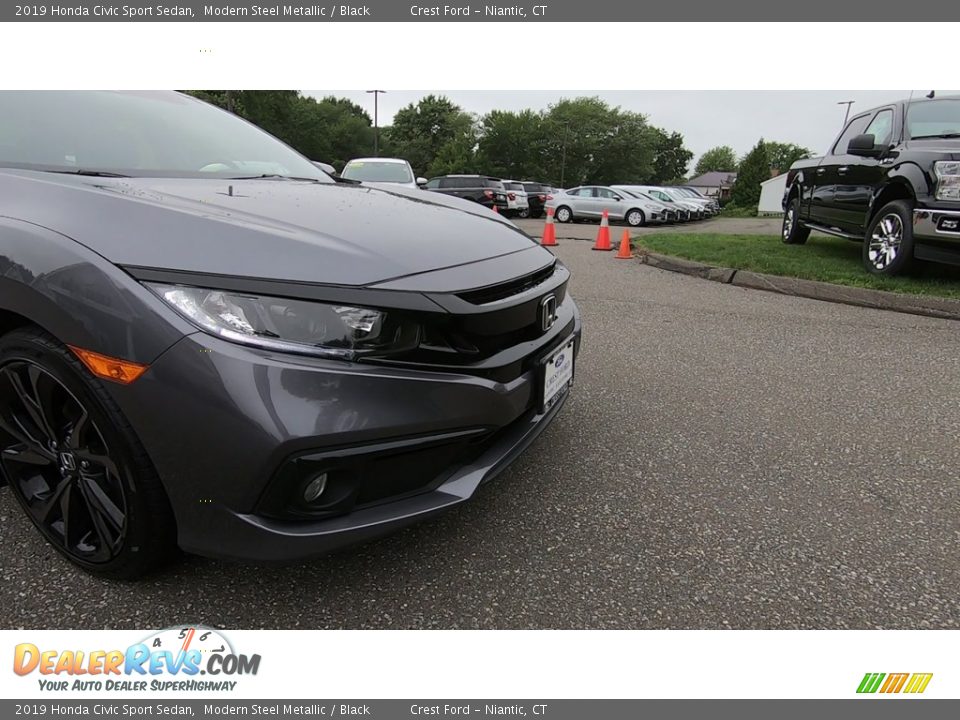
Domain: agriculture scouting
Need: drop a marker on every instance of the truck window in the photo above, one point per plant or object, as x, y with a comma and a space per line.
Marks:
857, 126
881, 127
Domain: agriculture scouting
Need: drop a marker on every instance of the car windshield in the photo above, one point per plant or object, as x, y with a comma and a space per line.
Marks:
935, 119
377, 171
141, 134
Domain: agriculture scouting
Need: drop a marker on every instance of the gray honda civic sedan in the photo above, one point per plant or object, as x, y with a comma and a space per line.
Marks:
207, 342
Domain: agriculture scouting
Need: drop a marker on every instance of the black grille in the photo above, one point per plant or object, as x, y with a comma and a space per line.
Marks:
493, 293
468, 359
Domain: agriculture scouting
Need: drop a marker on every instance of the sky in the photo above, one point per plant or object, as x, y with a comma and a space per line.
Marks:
706, 118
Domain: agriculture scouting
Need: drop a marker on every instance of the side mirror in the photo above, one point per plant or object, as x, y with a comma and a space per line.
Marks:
863, 145
326, 167
421, 181
616, 198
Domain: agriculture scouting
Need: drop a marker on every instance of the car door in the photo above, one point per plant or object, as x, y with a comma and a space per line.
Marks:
824, 179
610, 201
581, 201
857, 176
447, 185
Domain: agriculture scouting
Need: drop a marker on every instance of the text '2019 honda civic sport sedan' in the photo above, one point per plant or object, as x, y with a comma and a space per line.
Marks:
205, 341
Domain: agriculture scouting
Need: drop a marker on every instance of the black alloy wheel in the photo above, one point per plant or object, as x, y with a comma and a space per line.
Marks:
73, 464
59, 465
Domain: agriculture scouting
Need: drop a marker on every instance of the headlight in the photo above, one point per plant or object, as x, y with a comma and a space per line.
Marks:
297, 326
948, 179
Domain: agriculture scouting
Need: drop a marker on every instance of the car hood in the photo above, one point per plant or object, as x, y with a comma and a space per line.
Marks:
654, 204
279, 229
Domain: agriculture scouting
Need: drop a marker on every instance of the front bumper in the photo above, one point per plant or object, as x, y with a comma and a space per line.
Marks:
936, 224
221, 422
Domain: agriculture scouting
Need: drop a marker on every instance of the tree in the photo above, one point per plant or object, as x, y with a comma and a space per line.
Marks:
512, 145
670, 159
420, 131
588, 142
753, 170
721, 158
332, 130
270, 109
783, 155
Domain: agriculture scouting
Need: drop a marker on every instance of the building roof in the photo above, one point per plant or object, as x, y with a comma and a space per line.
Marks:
716, 178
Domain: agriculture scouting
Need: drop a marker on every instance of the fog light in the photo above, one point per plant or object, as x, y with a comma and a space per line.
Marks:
315, 488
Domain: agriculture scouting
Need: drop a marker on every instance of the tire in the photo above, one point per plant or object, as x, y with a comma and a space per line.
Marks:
563, 214
635, 217
75, 465
888, 245
525, 213
792, 232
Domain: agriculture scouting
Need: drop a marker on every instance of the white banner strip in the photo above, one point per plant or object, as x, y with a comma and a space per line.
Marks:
519, 664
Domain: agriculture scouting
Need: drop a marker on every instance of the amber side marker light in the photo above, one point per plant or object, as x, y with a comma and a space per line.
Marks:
108, 368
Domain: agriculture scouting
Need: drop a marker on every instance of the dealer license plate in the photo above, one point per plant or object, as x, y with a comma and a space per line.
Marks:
557, 372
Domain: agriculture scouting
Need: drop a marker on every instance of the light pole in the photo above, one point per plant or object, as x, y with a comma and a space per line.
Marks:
848, 103
563, 156
376, 121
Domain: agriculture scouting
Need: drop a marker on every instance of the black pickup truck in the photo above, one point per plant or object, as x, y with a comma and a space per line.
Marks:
891, 180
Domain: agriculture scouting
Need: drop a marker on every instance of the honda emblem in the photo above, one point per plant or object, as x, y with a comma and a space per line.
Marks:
548, 312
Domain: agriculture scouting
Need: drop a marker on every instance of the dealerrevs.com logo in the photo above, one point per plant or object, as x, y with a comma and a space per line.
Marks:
181, 659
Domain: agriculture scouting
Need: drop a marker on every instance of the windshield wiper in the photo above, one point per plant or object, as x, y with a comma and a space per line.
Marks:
944, 136
275, 176
90, 173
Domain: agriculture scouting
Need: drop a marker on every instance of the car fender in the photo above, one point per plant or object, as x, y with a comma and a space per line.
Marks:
79, 297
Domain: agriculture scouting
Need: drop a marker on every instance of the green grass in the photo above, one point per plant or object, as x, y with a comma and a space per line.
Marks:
738, 212
828, 259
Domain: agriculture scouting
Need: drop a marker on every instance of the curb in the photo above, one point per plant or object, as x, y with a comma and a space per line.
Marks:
813, 289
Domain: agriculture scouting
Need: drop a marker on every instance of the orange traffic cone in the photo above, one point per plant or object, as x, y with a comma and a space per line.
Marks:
626, 251
549, 232
603, 234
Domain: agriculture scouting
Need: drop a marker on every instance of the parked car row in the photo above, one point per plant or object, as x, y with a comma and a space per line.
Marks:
634, 204
514, 198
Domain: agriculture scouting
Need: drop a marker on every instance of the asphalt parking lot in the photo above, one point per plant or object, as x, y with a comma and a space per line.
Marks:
728, 459
587, 230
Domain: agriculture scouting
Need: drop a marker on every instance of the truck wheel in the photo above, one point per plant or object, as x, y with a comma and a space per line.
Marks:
888, 246
793, 232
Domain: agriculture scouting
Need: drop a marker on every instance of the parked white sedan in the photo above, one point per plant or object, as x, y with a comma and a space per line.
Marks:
395, 171
589, 201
